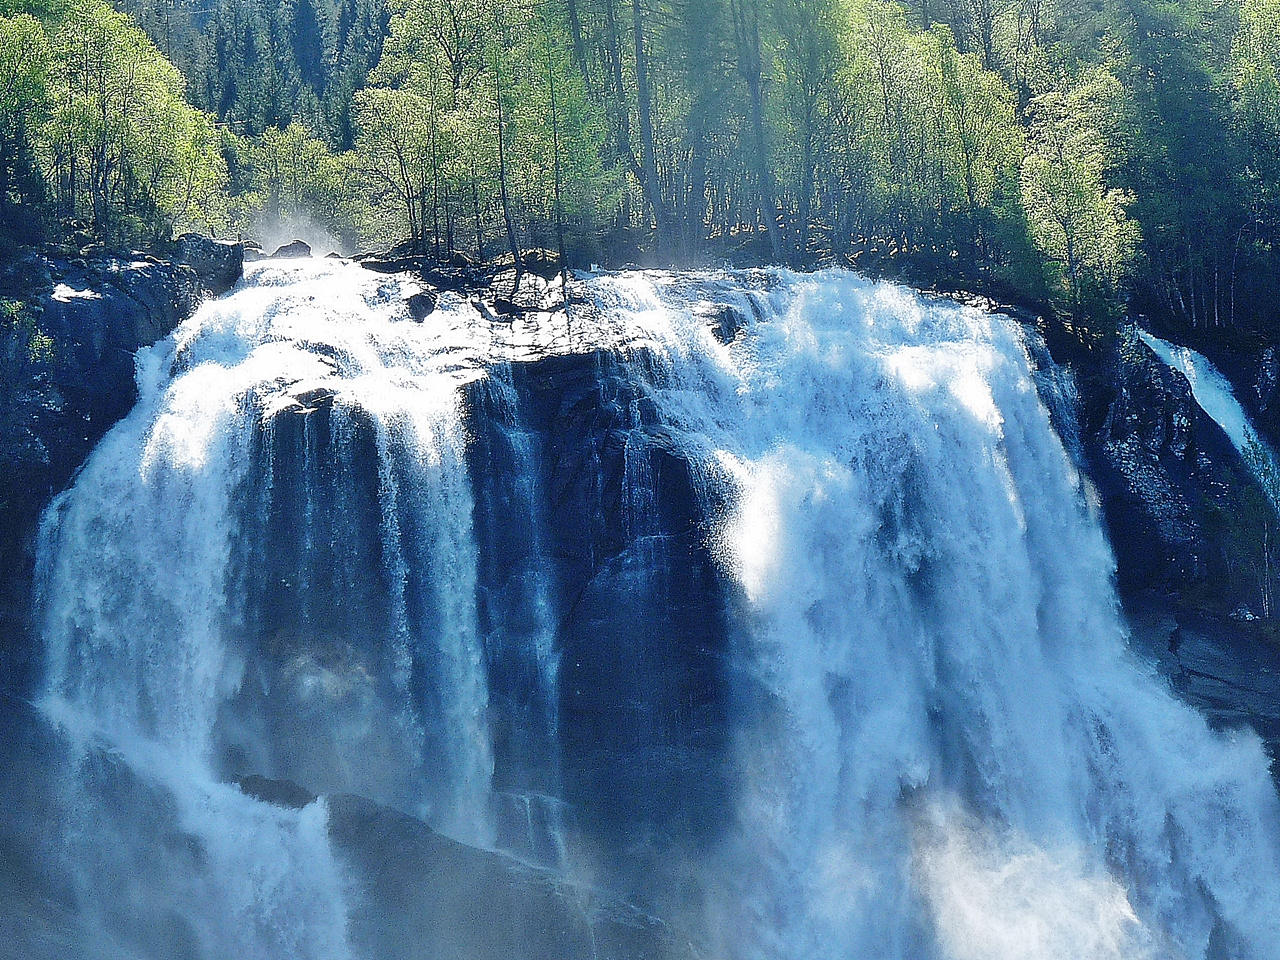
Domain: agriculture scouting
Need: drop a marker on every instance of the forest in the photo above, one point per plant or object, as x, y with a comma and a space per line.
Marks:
1092, 157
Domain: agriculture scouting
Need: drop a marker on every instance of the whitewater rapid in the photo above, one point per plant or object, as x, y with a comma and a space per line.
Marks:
940, 744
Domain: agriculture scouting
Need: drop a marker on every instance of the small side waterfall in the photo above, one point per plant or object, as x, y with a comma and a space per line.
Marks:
771, 603
1216, 398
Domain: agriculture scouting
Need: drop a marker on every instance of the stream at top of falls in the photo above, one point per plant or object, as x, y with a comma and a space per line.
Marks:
899, 718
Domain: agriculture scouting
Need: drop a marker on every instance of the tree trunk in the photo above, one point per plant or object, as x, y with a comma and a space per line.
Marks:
475, 203
696, 200
764, 173
502, 180
805, 211
746, 29
653, 193
579, 47
622, 129
435, 181
555, 152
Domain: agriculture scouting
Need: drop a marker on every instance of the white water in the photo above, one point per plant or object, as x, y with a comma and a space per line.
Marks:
956, 757
1213, 393
142, 627
932, 606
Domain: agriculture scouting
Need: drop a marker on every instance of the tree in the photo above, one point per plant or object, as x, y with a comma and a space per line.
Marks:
1254, 70
122, 147
468, 137
746, 33
1185, 165
393, 145
1080, 225
297, 179
808, 63
24, 102
985, 147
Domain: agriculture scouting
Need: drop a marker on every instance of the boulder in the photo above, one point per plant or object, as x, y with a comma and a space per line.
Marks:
295, 248
426, 896
218, 263
283, 793
466, 280
539, 262
725, 321
421, 305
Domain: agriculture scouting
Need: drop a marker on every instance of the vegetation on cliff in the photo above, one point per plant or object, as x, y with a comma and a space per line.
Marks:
1094, 157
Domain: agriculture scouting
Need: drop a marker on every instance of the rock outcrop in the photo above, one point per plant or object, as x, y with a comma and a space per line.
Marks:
426, 897
218, 263
68, 377
1185, 516
1149, 468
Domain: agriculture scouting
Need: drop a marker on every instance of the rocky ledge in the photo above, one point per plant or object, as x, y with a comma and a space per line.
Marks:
69, 329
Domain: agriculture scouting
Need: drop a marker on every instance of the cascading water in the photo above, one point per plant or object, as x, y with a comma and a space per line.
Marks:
212, 611
1213, 393
953, 718
796, 629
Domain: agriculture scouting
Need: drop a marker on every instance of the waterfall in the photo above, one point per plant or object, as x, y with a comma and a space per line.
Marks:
1212, 391
770, 601
958, 756
269, 569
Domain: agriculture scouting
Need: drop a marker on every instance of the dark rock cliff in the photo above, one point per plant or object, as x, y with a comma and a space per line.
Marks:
1193, 533
1170, 482
1185, 516
66, 376
639, 609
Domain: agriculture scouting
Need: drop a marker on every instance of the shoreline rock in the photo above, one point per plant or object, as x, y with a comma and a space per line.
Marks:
218, 263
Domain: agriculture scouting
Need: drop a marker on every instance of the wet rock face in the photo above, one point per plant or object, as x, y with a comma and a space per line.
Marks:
639, 610
96, 317
118, 308
1174, 492
1145, 473
591, 530
725, 321
1266, 378
316, 615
